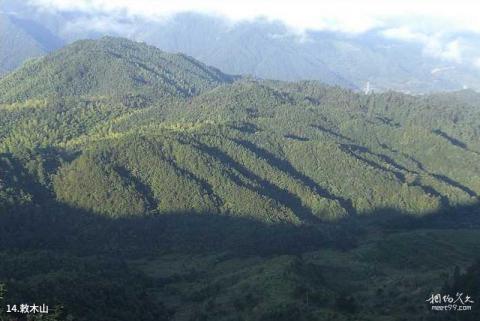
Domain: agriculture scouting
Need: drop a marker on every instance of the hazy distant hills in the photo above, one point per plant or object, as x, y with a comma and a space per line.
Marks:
259, 48
270, 50
22, 39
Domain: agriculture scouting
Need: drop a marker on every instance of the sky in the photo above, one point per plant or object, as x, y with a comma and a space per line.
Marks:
439, 25
342, 15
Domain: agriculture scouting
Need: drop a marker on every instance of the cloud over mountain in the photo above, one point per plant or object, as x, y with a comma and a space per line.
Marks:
434, 24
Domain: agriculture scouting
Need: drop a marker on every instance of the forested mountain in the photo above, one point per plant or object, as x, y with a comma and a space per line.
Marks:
196, 195
109, 67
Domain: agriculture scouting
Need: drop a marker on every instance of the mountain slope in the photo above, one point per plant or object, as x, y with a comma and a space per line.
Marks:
247, 199
150, 133
110, 67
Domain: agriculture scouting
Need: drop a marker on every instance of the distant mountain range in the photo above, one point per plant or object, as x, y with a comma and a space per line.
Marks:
270, 50
22, 39
265, 49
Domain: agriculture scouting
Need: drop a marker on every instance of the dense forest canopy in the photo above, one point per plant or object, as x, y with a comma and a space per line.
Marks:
113, 149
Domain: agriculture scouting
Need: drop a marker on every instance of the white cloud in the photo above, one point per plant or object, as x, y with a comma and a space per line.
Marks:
452, 51
405, 33
436, 44
433, 24
100, 24
440, 70
339, 15
477, 63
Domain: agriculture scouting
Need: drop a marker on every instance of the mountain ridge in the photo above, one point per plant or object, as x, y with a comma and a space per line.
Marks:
109, 66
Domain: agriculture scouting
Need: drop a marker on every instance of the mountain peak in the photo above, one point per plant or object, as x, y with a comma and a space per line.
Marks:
110, 66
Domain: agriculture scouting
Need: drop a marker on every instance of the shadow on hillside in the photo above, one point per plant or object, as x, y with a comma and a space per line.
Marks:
286, 167
59, 227
55, 226
452, 140
263, 186
399, 171
330, 132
